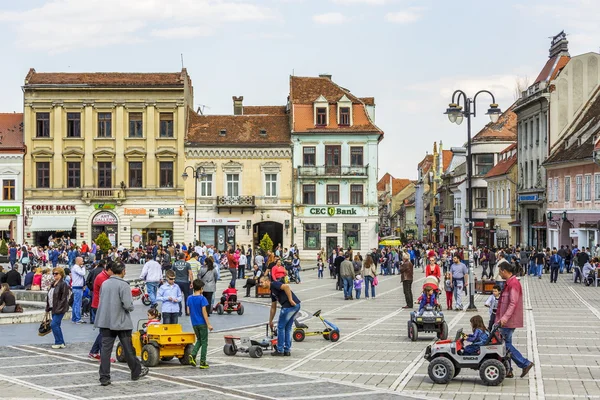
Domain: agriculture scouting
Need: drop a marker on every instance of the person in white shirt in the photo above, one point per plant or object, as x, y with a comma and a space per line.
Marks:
242, 266
152, 274
77, 284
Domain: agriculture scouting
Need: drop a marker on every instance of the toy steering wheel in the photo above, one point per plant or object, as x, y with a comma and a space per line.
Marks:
144, 325
316, 314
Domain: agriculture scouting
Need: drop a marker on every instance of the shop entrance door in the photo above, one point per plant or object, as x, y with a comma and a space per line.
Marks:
221, 244
332, 243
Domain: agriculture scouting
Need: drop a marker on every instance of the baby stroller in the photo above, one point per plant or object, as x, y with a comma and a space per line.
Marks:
589, 279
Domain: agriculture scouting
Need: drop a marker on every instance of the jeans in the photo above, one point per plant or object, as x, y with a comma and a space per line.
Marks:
284, 328
408, 296
484, 266
218, 269
209, 298
170, 318
97, 346
185, 290
348, 285
233, 275
56, 330
241, 272
562, 265
77, 296
357, 293
554, 273
108, 342
320, 274
540, 268
531, 268
152, 288
201, 344
369, 282
515, 355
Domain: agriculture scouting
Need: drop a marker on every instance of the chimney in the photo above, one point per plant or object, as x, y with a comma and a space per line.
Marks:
238, 108
559, 45
326, 76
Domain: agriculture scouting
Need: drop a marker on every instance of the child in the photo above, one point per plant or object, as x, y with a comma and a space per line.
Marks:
153, 316
170, 295
492, 304
358, 281
448, 289
228, 292
479, 336
427, 298
197, 306
320, 267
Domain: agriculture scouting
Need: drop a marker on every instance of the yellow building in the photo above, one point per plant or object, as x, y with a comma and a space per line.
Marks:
102, 155
243, 163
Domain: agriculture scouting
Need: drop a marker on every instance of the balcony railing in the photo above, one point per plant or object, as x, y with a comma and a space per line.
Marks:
336, 171
103, 194
236, 202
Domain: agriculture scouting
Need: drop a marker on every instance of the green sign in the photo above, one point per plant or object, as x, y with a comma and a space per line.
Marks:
10, 210
104, 206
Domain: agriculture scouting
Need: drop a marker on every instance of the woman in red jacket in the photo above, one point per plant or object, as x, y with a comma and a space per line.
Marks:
433, 269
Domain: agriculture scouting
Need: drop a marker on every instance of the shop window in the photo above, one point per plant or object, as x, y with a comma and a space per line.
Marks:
331, 228
135, 174
356, 157
351, 235
73, 125
8, 189
166, 174
42, 124
233, 185
271, 185
105, 174
166, 125
207, 235
356, 194
333, 194
312, 236
206, 185
104, 125
135, 125
42, 170
309, 156
74, 174
308, 194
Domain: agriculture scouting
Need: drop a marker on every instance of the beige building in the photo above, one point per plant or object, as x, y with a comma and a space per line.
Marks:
102, 155
243, 163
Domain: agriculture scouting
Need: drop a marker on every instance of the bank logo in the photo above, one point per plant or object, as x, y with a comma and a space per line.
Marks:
331, 211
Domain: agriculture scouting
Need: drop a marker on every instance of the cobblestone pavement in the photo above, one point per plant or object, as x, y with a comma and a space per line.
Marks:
373, 359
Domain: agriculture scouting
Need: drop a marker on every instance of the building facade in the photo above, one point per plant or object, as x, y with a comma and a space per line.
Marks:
11, 177
450, 197
245, 180
422, 188
103, 151
335, 158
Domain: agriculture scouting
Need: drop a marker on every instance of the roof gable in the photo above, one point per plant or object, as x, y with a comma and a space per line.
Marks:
503, 130
11, 131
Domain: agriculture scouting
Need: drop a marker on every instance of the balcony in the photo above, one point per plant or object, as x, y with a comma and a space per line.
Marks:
103, 194
334, 171
238, 203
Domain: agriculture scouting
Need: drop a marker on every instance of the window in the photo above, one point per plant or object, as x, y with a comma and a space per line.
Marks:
312, 236
104, 125
42, 124
555, 189
356, 194
578, 192
588, 188
74, 125
105, 174
135, 125
480, 198
309, 156
351, 235
271, 185
503, 196
333, 160
483, 163
74, 174
166, 125
321, 116
549, 192
597, 186
508, 199
331, 228
233, 184
308, 194
567, 188
345, 116
356, 156
166, 174
42, 170
206, 185
8, 189
333, 194
135, 174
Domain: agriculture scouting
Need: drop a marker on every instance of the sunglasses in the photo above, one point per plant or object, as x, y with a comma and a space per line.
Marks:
170, 279
55, 273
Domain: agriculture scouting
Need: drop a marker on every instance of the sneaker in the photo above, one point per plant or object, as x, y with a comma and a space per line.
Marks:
95, 356
105, 383
112, 360
80, 322
203, 365
526, 370
287, 353
510, 374
277, 354
58, 346
142, 374
192, 360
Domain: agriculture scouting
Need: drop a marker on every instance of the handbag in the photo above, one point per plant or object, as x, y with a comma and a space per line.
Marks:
25, 260
375, 281
18, 308
45, 328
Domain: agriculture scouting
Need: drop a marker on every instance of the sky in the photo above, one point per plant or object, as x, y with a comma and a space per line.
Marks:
408, 54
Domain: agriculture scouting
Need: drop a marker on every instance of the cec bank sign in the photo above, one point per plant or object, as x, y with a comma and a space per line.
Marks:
335, 211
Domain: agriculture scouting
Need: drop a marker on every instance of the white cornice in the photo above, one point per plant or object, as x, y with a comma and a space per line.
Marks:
211, 153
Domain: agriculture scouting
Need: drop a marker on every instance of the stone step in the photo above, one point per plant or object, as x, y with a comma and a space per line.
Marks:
28, 316
30, 295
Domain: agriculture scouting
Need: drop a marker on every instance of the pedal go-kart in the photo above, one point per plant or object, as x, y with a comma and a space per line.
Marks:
301, 330
431, 320
231, 305
253, 347
160, 342
446, 359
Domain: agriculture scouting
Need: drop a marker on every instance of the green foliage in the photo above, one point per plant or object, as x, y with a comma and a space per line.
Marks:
103, 242
266, 244
3, 248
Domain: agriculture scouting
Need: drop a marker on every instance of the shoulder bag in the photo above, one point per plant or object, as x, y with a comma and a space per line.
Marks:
45, 328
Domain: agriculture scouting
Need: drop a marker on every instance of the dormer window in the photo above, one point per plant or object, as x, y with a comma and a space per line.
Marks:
344, 111
321, 111
321, 116
345, 116
222, 132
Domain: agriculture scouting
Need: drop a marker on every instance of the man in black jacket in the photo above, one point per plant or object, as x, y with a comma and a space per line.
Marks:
13, 278
89, 282
337, 263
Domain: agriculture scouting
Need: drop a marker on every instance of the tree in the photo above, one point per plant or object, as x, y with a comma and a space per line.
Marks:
521, 84
103, 242
266, 244
3, 248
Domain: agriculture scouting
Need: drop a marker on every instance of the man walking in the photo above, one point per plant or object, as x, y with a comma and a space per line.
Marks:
152, 274
510, 316
459, 273
406, 277
77, 283
347, 273
183, 278
102, 277
114, 320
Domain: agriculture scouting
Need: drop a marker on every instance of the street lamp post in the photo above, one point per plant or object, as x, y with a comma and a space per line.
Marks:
197, 174
456, 114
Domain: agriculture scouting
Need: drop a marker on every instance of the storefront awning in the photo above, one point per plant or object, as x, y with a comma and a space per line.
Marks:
539, 225
5, 224
52, 224
515, 223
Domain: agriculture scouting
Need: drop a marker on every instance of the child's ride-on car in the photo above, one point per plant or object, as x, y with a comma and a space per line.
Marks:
253, 347
160, 342
430, 320
230, 305
331, 332
446, 359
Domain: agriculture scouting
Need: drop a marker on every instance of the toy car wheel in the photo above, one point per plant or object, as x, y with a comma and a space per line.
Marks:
441, 370
169, 358
228, 311
120, 353
220, 309
240, 310
185, 360
255, 351
334, 336
299, 335
326, 333
150, 356
456, 371
443, 333
413, 332
492, 372
146, 300
229, 350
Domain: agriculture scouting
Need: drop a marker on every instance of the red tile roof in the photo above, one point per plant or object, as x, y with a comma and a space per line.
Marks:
426, 163
446, 160
369, 101
504, 130
385, 179
503, 167
265, 110
11, 131
553, 66
398, 184
135, 79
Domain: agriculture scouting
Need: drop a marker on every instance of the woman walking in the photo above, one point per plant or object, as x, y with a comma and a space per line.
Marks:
369, 273
57, 302
208, 275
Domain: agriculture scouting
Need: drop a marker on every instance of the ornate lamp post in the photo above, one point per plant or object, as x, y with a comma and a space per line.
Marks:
197, 174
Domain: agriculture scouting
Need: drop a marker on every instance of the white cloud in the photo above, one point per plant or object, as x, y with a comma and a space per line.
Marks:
407, 16
63, 25
369, 2
333, 18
